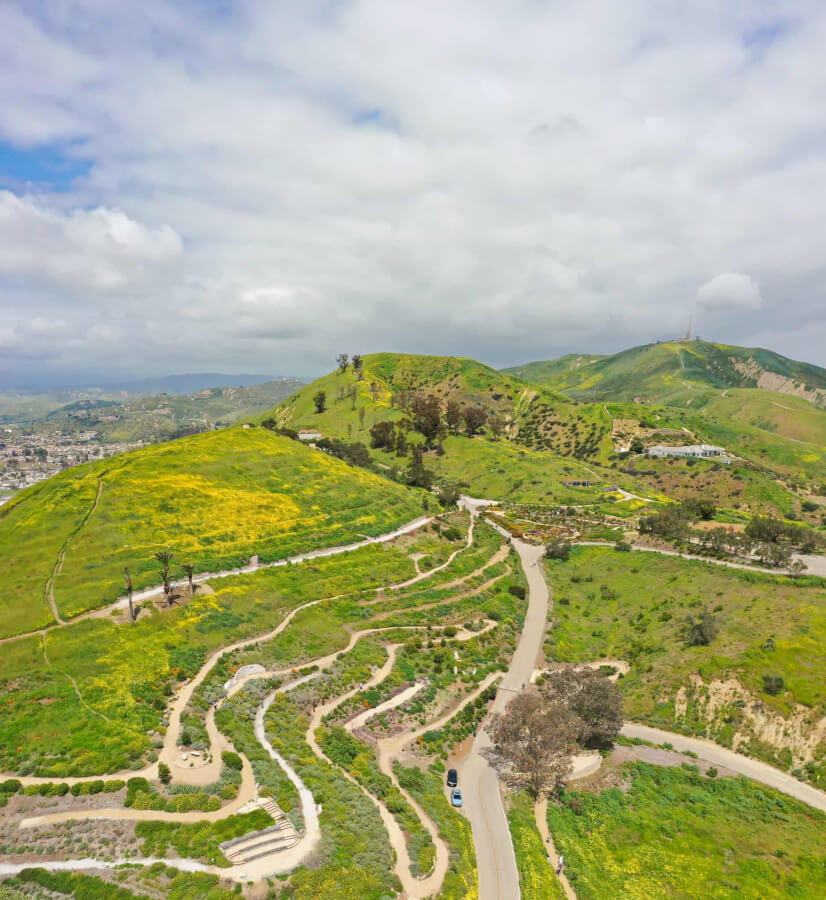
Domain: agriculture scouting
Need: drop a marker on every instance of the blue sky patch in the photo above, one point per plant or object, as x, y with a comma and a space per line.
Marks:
47, 166
761, 37
377, 117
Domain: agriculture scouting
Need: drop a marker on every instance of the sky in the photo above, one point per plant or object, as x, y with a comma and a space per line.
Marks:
258, 186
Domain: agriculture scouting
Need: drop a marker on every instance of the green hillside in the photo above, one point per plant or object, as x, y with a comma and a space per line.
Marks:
545, 371
545, 441
529, 414
214, 500
673, 372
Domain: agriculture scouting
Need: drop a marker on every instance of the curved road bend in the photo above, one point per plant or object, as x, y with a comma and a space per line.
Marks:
722, 756
495, 859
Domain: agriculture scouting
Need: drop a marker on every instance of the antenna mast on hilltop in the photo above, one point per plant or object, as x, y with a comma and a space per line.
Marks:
688, 333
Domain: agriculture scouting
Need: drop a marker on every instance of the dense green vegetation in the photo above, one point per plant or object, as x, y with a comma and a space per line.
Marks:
213, 499
634, 606
156, 879
199, 839
675, 830
126, 673
537, 876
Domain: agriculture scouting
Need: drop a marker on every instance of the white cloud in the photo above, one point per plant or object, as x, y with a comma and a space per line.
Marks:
501, 180
730, 291
99, 248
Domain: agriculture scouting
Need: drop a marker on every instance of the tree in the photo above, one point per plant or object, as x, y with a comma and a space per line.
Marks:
374, 390
448, 495
427, 416
596, 700
700, 632
401, 442
764, 528
127, 577
320, 400
164, 557
700, 508
189, 571
496, 425
475, 418
383, 434
342, 359
417, 474
357, 365
670, 523
352, 393
796, 568
361, 417
164, 773
558, 550
534, 742
636, 445
453, 415
775, 555
773, 684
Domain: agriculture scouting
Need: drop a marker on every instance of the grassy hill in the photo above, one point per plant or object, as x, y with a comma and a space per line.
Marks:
531, 415
672, 373
214, 499
547, 370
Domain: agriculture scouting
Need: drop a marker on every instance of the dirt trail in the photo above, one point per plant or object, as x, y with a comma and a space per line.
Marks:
61, 556
153, 592
540, 812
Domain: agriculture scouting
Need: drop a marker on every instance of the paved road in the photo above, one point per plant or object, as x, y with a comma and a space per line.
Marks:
498, 875
722, 756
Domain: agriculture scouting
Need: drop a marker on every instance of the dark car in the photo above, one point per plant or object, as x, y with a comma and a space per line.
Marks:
452, 777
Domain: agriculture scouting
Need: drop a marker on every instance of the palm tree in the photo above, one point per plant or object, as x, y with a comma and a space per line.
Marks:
128, 580
164, 557
189, 570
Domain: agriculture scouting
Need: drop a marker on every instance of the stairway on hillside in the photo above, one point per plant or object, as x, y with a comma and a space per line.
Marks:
280, 836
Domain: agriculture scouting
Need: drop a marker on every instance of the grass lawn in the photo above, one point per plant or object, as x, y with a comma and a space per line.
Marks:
633, 606
214, 500
677, 834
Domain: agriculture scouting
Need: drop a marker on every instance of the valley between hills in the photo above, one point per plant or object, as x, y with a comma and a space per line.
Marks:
251, 660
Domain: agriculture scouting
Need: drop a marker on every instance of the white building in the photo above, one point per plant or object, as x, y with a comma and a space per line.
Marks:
692, 451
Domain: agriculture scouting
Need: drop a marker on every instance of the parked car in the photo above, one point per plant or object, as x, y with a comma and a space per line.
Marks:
456, 797
452, 777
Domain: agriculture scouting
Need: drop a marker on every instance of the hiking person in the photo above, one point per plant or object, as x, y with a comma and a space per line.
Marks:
560, 864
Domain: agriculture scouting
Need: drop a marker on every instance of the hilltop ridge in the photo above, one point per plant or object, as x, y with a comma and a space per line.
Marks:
673, 372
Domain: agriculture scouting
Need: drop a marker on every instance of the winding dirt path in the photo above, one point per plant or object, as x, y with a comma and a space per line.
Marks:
61, 556
149, 593
540, 813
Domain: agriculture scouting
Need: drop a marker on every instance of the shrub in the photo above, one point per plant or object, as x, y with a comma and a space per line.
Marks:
232, 760
164, 773
558, 550
517, 590
773, 684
